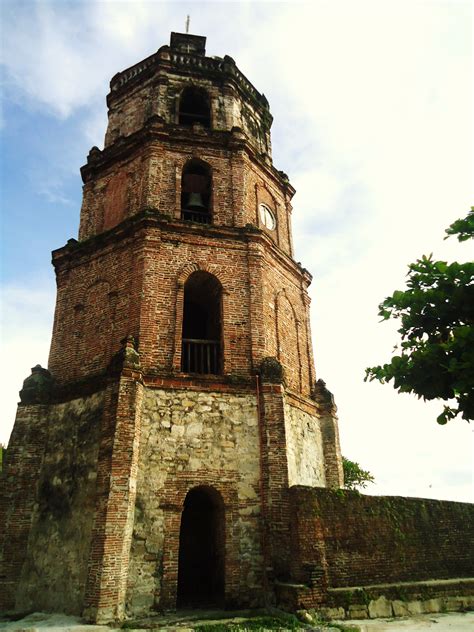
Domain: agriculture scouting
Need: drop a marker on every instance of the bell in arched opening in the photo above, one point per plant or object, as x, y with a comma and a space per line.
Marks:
196, 192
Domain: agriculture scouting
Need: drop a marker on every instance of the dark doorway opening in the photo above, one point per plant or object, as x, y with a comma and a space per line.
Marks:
194, 107
201, 550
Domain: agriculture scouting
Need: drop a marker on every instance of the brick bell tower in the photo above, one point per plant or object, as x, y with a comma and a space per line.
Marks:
149, 466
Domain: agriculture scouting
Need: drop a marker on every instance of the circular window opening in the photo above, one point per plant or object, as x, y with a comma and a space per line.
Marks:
267, 217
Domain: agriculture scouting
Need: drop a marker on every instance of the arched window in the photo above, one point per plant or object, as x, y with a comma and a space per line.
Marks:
194, 107
201, 343
196, 189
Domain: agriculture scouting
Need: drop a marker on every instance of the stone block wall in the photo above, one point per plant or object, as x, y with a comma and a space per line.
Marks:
359, 540
304, 448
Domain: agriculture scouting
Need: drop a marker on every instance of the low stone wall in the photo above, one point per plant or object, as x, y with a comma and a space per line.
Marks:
399, 600
349, 539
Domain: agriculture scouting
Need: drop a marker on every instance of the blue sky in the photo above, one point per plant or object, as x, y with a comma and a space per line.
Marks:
372, 122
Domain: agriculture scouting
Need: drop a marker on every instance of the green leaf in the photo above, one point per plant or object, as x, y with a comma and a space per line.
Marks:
435, 356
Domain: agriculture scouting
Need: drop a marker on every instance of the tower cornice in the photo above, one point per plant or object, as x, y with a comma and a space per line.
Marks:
70, 254
157, 129
188, 64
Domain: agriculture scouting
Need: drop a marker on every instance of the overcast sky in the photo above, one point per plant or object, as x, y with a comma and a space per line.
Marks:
372, 122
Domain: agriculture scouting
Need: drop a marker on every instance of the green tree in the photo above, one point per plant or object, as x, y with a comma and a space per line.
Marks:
354, 475
436, 353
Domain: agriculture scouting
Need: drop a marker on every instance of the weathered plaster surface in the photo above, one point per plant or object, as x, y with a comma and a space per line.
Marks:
188, 439
54, 573
304, 448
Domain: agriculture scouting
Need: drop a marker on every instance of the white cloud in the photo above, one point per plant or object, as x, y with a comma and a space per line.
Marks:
62, 56
27, 319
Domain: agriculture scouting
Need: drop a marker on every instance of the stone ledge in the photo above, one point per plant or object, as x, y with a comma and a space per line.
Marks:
400, 599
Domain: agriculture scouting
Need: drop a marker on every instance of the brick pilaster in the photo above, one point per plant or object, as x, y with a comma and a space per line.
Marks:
275, 477
115, 501
256, 262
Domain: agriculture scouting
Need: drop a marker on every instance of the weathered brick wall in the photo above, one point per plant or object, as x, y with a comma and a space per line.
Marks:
97, 305
149, 176
190, 438
158, 94
50, 543
117, 468
259, 188
117, 193
135, 280
286, 323
362, 540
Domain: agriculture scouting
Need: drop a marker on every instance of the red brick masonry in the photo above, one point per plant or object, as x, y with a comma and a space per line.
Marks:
344, 538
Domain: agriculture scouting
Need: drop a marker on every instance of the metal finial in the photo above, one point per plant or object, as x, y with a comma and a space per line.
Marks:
187, 24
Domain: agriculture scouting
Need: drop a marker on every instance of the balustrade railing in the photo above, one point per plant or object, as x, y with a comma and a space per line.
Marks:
201, 356
196, 216
186, 59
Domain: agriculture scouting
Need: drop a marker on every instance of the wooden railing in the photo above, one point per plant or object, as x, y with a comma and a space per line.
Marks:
196, 216
201, 356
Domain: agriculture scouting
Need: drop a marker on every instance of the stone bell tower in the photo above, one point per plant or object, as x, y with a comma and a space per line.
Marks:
149, 466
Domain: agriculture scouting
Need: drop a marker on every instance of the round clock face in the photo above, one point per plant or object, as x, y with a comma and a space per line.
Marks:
267, 217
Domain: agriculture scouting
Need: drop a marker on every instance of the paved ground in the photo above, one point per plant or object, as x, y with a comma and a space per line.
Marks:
450, 622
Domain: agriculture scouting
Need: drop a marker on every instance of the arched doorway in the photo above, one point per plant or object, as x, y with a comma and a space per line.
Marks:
201, 550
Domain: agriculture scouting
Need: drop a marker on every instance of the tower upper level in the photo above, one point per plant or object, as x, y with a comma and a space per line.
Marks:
184, 87
185, 233
188, 138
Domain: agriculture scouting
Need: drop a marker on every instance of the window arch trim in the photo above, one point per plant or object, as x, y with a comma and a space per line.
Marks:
186, 271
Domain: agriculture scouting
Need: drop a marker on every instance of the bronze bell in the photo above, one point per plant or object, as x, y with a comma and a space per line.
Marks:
195, 201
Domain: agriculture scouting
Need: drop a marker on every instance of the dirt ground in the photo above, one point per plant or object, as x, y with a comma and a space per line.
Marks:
449, 622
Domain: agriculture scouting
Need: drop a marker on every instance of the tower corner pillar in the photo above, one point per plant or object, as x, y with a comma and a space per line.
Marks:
330, 433
117, 470
275, 466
